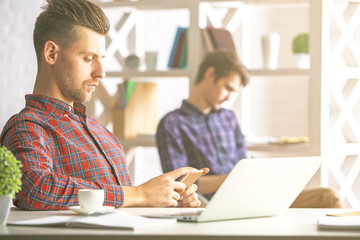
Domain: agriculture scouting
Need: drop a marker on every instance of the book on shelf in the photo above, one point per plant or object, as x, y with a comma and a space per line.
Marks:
124, 92
212, 38
114, 220
129, 90
221, 38
209, 47
178, 51
120, 96
179, 44
216, 38
183, 55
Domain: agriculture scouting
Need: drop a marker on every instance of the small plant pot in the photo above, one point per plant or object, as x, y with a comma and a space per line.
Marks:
5, 204
303, 60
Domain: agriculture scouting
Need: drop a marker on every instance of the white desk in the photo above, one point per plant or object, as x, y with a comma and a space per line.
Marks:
294, 224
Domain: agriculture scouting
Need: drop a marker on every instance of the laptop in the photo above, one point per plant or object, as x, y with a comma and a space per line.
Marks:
254, 188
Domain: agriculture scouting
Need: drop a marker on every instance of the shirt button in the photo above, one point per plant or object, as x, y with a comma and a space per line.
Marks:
65, 115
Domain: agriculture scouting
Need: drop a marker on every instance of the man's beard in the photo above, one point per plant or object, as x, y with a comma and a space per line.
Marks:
77, 94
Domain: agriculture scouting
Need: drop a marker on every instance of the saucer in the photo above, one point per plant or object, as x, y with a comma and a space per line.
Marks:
83, 211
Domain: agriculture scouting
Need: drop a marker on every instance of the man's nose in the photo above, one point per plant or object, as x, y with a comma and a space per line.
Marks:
99, 71
228, 96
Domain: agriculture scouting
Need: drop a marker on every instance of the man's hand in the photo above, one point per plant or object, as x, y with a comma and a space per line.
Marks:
163, 191
189, 198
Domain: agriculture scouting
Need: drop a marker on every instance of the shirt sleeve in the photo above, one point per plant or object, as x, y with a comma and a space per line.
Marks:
170, 145
240, 140
44, 188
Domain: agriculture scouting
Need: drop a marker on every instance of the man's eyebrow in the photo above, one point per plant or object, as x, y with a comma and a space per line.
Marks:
230, 87
92, 53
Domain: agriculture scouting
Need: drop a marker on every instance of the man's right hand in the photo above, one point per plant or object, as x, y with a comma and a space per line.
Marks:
161, 191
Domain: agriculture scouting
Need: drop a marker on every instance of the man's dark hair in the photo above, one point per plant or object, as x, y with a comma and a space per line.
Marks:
60, 20
225, 63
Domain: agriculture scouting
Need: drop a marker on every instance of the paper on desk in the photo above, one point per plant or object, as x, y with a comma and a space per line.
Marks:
275, 140
344, 214
346, 223
116, 220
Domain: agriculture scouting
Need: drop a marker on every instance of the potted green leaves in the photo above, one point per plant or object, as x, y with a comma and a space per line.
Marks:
300, 47
10, 181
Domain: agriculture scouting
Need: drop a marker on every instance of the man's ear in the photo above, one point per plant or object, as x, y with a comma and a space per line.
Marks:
209, 75
51, 51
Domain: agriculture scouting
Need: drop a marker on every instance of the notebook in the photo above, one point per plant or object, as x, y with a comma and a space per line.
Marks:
350, 222
255, 188
107, 220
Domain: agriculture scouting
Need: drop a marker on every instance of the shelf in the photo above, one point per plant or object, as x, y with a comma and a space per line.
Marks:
257, 2
177, 73
185, 73
176, 4
279, 72
150, 141
145, 5
291, 147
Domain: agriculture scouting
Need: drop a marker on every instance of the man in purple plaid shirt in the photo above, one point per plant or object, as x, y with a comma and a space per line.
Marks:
202, 134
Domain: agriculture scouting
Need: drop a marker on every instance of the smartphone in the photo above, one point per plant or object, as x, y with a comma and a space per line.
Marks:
190, 178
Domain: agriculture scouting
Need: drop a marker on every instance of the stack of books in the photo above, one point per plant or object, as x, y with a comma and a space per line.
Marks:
178, 54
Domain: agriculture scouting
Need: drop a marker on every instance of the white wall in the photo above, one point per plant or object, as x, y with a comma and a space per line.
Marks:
17, 54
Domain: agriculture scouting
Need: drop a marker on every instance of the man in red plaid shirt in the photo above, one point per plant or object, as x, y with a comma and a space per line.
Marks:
61, 148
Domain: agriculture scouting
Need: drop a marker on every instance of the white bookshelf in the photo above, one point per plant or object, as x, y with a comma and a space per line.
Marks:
323, 126
201, 14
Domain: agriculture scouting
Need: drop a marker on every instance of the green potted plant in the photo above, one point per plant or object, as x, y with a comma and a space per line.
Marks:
10, 181
300, 47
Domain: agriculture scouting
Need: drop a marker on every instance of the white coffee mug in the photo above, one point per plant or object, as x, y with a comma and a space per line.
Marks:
91, 198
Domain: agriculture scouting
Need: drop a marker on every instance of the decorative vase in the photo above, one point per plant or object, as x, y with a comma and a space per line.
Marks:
303, 60
270, 48
5, 204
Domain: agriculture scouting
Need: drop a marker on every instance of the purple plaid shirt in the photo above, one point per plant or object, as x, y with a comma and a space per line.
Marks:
187, 137
63, 150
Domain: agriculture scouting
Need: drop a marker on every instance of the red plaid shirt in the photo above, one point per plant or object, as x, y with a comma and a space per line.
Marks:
63, 150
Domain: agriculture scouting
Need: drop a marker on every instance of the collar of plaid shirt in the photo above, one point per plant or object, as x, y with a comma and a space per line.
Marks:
63, 150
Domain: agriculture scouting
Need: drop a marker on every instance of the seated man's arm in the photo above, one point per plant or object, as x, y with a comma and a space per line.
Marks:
164, 190
170, 146
210, 184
